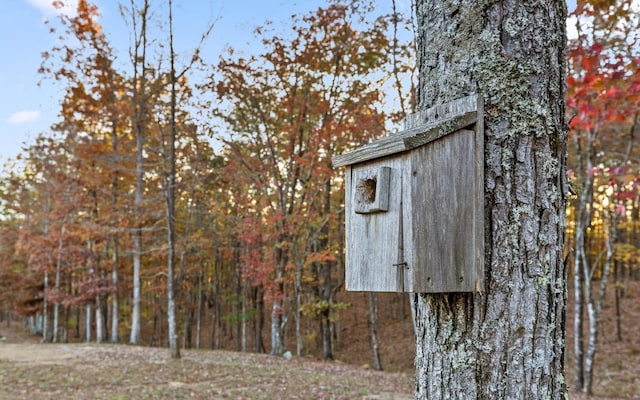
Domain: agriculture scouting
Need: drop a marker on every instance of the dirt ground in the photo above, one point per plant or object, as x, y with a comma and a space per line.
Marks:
30, 369
617, 362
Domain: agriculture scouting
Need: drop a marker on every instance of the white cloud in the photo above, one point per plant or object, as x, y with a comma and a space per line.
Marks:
69, 7
24, 116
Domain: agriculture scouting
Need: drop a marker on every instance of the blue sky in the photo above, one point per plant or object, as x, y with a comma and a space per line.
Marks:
27, 108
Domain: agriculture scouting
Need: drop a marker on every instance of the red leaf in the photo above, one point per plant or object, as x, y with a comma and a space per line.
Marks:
590, 63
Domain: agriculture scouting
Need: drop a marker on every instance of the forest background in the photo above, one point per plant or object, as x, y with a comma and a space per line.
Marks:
126, 222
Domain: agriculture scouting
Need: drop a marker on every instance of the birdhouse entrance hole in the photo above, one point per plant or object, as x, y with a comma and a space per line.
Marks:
372, 191
367, 190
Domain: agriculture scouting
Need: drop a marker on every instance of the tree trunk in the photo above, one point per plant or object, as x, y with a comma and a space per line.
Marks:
508, 341
594, 308
243, 320
45, 283
115, 316
297, 314
215, 318
114, 296
45, 308
101, 308
100, 328
258, 345
326, 289
139, 111
581, 266
277, 310
64, 334
276, 321
373, 330
87, 323
199, 305
237, 300
56, 306
77, 327
170, 198
619, 293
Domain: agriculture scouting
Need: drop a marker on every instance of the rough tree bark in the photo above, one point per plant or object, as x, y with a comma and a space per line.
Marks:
508, 341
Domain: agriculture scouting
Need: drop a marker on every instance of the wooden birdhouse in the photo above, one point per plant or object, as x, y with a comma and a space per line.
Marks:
415, 205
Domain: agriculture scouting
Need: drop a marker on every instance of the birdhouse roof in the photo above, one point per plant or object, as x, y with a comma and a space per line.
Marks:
420, 128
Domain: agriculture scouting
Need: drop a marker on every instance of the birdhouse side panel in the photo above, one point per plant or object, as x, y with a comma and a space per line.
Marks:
445, 215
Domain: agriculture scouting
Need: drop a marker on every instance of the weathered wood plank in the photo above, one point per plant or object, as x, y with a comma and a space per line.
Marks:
479, 199
445, 215
441, 112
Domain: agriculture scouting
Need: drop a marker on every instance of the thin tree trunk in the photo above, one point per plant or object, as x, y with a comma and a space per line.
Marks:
77, 330
578, 314
373, 330
64, 334
100, 334
45, 308
298, 306
258, 343
45, 289
199, 304
506, 342
87, 323
619, 292
115, 316
237, 300
243, 340
277, 310
216, 320
326, 289
581, 268
139, 117
56, 306
594, 308
101, 308
276, 322
170, 198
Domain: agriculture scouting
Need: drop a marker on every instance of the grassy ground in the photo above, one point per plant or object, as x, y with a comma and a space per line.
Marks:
32, 370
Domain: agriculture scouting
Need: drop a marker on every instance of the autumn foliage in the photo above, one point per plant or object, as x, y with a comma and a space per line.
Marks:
604, 105
256, 222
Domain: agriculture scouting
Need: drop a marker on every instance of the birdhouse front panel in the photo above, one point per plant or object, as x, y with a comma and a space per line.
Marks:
374, 222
